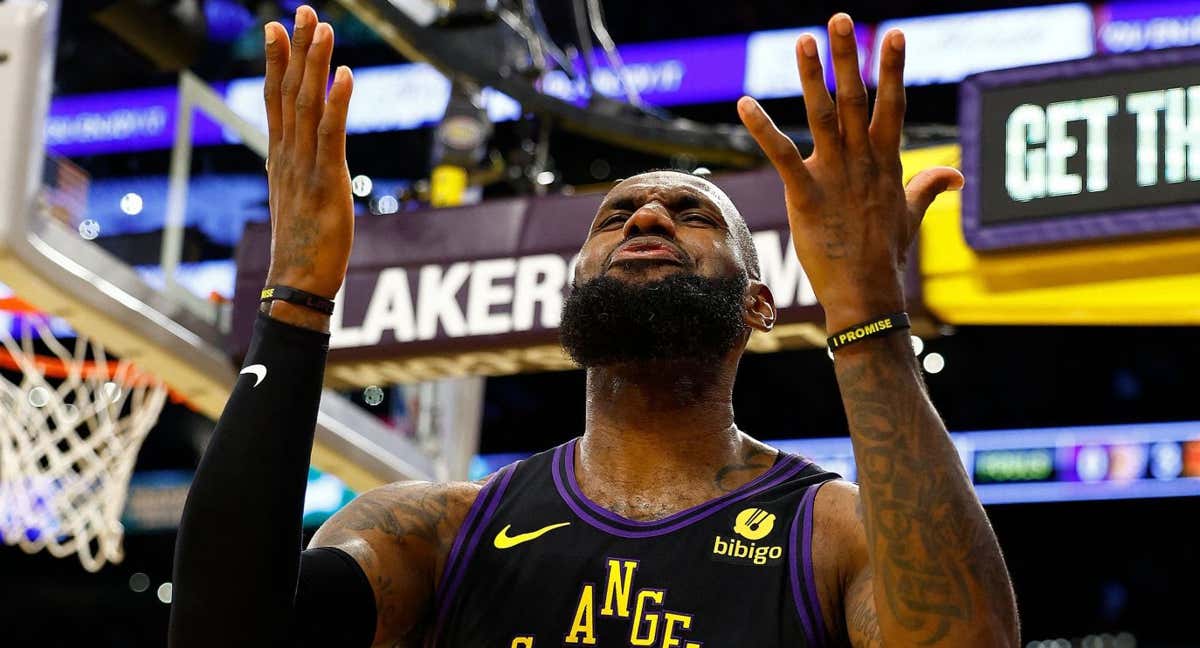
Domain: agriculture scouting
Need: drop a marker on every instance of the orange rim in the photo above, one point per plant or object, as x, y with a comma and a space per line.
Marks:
55, 368
16, 305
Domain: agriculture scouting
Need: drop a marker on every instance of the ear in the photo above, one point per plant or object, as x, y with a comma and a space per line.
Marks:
759, 313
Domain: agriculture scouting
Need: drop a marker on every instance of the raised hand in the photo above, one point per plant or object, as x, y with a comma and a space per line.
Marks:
312, 209
852, 219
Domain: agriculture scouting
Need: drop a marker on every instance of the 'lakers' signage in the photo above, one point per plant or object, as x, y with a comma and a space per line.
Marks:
479, 289
1083, 149
502, 296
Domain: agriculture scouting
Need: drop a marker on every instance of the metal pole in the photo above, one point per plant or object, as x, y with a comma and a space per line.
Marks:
195, 94
177, 189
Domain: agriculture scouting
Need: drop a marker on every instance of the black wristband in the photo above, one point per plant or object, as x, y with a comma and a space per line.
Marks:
298, 297
871, 328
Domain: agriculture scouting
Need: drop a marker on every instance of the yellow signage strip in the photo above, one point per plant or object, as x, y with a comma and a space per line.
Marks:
1131, 282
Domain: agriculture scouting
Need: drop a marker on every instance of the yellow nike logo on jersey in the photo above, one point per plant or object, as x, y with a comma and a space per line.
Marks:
505, 541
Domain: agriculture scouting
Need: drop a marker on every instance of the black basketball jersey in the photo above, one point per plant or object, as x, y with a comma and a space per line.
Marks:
537, 564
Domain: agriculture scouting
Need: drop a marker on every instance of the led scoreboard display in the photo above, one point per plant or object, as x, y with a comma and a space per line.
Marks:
1080, 150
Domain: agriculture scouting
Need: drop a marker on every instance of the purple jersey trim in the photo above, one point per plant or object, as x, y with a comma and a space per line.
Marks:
808, 608
460, 537
810, 578
568, 489
794, 575
492, 497
569, 466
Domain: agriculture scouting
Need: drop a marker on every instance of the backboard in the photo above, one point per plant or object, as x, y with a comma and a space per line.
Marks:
55, 258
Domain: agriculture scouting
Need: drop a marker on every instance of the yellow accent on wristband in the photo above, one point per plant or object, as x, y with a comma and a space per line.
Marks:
871, 328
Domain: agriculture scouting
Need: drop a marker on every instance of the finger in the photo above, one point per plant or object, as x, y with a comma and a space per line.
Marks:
887, 123
310, 103
822, 115
276, 50
331, 136
779, 148
851, 91
927, 185
306, 21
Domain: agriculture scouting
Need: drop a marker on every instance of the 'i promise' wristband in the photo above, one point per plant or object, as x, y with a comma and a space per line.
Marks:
298, 297
869, 329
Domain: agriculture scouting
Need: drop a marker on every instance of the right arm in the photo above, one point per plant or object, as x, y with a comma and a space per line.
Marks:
399, 535
240, 577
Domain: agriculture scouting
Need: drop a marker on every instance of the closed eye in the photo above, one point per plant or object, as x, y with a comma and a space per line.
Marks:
615, 219
697, 217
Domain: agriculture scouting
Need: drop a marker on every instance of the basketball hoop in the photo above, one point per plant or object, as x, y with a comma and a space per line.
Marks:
67, 449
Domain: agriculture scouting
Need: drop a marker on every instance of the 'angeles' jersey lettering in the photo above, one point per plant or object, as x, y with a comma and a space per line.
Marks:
537, 564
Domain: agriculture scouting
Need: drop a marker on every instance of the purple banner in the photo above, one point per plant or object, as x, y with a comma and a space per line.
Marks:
668, 73
491, 276
132, 120
1136, 25
697, 70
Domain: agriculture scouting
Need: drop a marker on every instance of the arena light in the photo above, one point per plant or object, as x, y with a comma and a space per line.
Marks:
89, 229
918, 345
387, 205
131, 203
361, 185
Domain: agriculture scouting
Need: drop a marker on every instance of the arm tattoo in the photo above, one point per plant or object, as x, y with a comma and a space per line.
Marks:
938, 575
415, 514
413, 523
862, 622
302, 241
835, 236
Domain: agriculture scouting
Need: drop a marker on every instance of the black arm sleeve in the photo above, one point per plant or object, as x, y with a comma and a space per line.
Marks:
237, 556
335, 605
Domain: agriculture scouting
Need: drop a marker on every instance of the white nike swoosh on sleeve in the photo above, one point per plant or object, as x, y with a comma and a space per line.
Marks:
258, 371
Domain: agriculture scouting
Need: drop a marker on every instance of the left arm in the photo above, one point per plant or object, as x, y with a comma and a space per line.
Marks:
935, 575
932, 574
941, 577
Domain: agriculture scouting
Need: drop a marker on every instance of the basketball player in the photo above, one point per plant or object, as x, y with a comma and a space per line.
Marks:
663, 524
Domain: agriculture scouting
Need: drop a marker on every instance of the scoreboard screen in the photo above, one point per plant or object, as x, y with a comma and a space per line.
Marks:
1081, 150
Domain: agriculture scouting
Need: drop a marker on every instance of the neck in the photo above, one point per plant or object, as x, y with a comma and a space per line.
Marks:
648, 420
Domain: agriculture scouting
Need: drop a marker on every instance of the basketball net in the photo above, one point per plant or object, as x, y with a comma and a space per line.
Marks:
70, 432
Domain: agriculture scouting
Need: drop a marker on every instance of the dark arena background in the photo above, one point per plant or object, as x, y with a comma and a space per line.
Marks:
1055, 301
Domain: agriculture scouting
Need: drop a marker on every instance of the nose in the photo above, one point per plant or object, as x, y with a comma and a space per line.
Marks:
651, 218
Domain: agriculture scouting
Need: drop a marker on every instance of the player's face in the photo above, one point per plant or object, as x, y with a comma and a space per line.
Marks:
658, 224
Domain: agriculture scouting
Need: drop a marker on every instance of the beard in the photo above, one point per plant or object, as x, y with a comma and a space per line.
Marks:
685, 317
